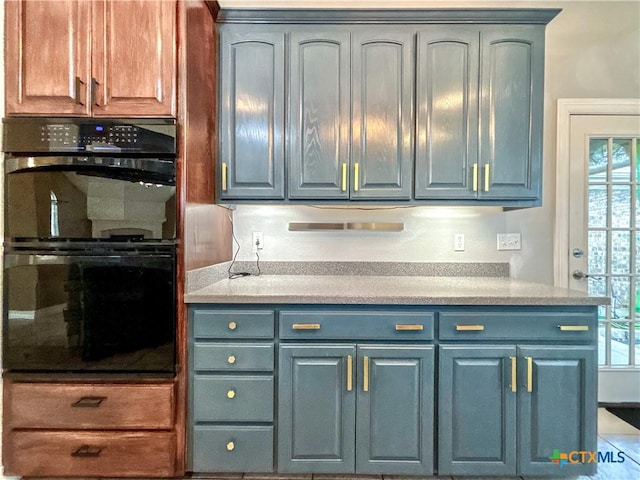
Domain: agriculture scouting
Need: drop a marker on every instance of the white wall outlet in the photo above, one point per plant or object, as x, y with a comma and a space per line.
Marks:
509, 241
458, 242
257, 242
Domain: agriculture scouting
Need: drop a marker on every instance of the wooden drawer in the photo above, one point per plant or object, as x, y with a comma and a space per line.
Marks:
347, 325
233, 357
99, 454
233, 398
518, 325
229, 324
82, 406
232, 449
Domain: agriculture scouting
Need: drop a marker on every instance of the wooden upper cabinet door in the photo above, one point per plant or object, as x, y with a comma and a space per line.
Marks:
134, 58
47, 57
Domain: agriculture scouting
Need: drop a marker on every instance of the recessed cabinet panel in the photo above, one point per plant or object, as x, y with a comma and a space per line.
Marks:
382, 132
252, 116
512, 76
319, 117
447, 112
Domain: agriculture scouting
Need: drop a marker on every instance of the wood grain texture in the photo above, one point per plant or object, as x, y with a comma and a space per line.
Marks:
103, 454
54, 405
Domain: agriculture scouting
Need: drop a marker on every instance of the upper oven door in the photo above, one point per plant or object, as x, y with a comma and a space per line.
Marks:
70, 197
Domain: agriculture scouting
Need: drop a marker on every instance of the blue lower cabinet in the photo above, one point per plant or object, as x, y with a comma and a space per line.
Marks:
348, 409
506, 410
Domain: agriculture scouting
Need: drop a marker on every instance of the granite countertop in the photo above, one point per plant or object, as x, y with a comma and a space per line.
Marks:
386, 289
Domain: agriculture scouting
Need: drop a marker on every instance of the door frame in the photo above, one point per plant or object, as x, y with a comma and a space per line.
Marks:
566, 108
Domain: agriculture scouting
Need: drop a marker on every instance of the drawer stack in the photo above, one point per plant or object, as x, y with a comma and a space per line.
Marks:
232, 390
79, 429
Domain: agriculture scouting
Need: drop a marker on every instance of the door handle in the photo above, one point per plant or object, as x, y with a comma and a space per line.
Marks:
580, 275
529, 374
486, 177
349, 373
344, 177
224, 177
365, 379
356, 177
94, 92
475, 177
514, 374
78, 94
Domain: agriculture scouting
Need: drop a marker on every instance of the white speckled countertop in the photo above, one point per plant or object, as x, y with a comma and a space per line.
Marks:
387, 289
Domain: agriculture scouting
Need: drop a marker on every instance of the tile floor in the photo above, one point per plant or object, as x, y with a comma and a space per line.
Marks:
613, 435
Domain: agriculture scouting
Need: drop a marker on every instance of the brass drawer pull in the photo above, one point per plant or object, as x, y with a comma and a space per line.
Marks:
233, 325
224, 177
231, 394
306, 326
469, 328
231, 446
475, 177
573, 328
486, 177
231, 359
88, 402
514, 374
409, 328
87, 451
529, 374
356, 177
344, 177
349, 373
365, 380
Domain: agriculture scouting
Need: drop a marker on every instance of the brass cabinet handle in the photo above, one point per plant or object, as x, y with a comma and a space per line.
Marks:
344, 177
86, 451
413, 328
573, 328
306, 326
349, 373
88, 402
529, 374
78, 95
224, 177
469, 328
475, 177
486, 177
94, 92
356, 177
365, 380
231, 446
231, 359
231, 393
514, 374
233, 325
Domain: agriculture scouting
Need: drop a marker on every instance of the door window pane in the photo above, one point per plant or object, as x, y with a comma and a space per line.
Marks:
620, 252
619, 343
597, 206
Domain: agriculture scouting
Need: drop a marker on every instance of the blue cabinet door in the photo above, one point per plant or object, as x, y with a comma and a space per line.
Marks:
557, 409
316, 409
511, 111
382, 113
476, 410
447, 112
320, 108
395, 410
252, 103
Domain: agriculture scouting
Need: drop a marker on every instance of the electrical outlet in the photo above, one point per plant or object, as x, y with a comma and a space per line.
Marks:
509, 241
257, 242
458, 242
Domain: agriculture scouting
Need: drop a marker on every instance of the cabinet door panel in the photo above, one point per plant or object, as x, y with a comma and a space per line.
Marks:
319, 118
395, 415
559, 413
316, 411
134, 58
447, 112
511, 109
477, 411
48, 64
252, 116
382, 132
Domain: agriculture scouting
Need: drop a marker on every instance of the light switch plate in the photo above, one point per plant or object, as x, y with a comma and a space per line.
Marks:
509, 241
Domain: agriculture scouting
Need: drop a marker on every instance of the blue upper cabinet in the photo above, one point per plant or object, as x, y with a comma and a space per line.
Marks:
413, 106
252, 114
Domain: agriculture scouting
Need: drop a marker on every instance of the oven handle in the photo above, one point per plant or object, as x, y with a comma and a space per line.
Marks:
122, 259
163, 166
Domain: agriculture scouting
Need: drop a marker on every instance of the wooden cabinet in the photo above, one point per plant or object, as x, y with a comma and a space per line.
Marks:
90, 58
81, 429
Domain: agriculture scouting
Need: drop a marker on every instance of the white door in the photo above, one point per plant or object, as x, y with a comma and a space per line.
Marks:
604, 243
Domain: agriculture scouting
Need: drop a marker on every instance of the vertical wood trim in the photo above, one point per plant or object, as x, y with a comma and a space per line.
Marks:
566, 107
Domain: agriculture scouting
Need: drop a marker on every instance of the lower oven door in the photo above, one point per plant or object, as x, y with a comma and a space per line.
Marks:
112, 312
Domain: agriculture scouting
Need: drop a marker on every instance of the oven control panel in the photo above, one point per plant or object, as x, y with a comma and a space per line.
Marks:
89, 136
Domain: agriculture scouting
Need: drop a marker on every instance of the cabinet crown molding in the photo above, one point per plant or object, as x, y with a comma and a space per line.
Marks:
540, 16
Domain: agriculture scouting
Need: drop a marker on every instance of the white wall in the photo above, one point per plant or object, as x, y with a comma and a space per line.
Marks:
592, 51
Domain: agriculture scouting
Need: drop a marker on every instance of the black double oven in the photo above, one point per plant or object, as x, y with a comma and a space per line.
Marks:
90, 250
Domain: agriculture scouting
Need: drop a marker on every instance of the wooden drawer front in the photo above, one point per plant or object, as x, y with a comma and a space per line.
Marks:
76, 454
233, 398
518, 326
233, 357
112, 406
377, 325
232, 449
227, 324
